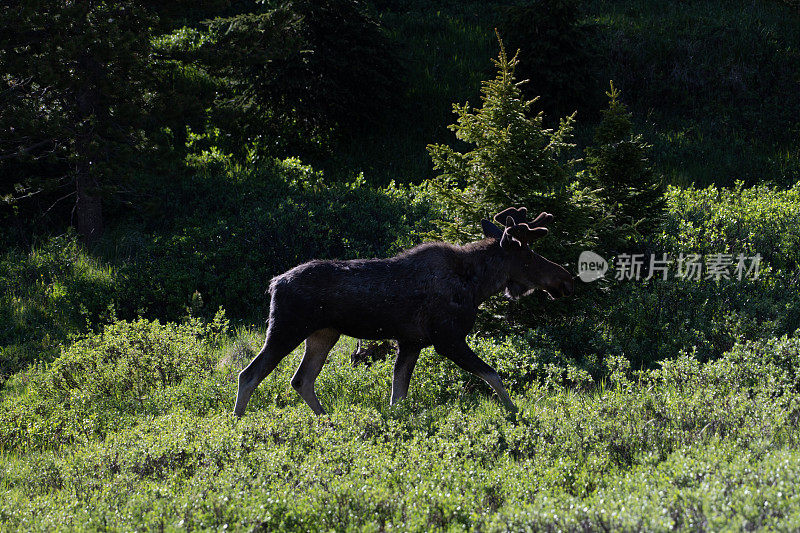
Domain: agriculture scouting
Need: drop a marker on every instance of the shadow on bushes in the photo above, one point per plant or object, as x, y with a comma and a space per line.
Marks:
233, 230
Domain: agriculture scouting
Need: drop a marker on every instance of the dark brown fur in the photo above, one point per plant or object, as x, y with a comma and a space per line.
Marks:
426, 296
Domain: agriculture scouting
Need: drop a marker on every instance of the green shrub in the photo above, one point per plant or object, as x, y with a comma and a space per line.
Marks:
770, 366
673, 448
242, 226
47, 295
760, 219
104, 379
654, 320
313, 64
223, 233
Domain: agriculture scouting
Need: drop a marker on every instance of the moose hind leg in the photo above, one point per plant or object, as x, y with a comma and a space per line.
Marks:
318, 344
462, 355
277, 345
403, 368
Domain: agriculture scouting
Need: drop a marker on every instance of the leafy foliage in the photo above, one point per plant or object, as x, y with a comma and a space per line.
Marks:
102, 378
247, 225
652, 321
760, 219
238, 228
685, 444
313, 64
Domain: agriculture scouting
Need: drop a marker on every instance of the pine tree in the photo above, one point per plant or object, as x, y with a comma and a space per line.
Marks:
619, 164
516, 161
74, 74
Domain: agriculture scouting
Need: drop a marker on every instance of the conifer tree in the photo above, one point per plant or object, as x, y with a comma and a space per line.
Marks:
75, 80
619, 165
515, 161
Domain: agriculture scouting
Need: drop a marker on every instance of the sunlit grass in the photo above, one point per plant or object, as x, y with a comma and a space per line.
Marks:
676, 448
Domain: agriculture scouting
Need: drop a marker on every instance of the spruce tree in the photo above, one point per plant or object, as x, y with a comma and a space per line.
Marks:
515, 161
619, 165
74, 78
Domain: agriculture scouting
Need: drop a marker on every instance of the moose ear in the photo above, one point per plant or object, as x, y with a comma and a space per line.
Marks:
508, 240
490, 230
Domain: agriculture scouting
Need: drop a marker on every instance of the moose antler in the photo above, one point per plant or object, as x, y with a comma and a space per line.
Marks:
518, 215
515, 221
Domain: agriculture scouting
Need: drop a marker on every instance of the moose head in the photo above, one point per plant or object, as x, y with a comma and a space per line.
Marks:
527, 270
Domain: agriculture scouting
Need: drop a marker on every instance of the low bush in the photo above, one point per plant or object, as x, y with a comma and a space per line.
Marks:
47, 295
235, 228
685, 445
750, 220
103, 379
649, 321
215, 238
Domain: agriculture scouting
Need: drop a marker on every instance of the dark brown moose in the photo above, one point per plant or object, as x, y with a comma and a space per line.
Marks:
428, 295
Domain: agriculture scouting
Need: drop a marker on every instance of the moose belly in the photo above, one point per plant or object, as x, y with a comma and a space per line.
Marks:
384, 320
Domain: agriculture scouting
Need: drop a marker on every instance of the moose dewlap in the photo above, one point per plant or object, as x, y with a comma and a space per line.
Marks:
426, 296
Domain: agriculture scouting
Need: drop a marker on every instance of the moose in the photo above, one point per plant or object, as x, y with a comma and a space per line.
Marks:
428, 295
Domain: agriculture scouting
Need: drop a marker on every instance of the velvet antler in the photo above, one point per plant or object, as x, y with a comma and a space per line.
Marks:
515, 221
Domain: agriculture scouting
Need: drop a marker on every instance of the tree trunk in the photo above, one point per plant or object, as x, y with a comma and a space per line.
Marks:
88, 206
88, 209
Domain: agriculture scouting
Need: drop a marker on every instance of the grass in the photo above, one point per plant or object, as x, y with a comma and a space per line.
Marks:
690, 447
713, 84
49, 294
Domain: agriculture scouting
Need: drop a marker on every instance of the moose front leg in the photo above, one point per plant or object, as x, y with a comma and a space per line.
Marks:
461, 354
407, 356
